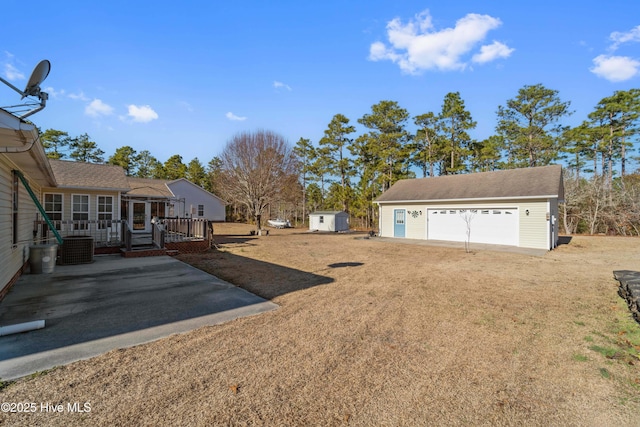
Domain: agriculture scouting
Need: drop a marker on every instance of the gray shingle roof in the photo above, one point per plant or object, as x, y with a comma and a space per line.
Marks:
148, 187
543, 181
89, 175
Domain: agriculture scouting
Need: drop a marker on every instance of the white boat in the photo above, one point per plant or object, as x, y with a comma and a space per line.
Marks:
279, 223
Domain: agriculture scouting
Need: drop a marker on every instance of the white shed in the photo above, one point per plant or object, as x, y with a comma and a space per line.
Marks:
329, 221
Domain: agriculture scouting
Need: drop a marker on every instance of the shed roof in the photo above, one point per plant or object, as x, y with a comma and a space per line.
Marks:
542, 181
148, 187
85, 175
328, 213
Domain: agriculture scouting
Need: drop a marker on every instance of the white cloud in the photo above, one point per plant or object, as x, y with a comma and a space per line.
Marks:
53, 93
232, 116
619, 38
13, 73
492, 51
417, 46
186, 106
98, 108
280, 85
615, 68
78, 96
142, 113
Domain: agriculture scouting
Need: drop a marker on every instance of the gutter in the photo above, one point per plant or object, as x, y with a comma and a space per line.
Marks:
24, 132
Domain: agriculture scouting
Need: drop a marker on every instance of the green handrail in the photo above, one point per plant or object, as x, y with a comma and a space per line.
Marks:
39, 206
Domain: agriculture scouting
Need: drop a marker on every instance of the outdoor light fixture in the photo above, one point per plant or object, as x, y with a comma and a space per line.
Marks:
527, 212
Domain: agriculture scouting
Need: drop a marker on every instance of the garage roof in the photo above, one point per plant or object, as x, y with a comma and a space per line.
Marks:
527, 183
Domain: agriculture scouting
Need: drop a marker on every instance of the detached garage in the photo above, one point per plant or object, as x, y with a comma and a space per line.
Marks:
516, 207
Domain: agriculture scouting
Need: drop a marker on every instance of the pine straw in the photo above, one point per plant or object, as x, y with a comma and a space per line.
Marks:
375, 333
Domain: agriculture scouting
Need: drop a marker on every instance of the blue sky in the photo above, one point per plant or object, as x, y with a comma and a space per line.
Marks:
184, 77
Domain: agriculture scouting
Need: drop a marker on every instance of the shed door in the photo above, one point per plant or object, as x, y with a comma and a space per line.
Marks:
399, 222
491, 226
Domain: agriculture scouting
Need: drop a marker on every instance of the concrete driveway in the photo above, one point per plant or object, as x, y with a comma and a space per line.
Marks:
114, 302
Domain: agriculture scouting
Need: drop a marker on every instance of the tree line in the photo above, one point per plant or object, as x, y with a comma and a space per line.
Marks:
347, 171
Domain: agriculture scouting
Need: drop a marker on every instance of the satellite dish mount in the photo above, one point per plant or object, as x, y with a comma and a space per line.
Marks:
38, 75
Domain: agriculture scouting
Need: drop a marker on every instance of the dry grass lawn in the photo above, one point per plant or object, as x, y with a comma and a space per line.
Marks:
378, 333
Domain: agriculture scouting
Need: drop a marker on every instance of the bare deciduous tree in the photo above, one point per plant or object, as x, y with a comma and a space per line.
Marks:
255, 168
467, 216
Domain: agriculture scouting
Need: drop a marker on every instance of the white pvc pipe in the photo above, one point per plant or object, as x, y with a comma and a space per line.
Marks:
21, 327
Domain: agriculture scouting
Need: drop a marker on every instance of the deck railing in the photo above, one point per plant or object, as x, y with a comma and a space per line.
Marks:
184, 229
158, 235
104, 232
119, 233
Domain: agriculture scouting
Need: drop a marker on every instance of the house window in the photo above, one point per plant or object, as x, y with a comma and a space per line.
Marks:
200, 210
105, 211
321, 219
399, 217
53, 208
80, 211
14, 217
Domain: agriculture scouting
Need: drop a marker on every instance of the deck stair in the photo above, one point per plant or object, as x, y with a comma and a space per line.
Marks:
142, 246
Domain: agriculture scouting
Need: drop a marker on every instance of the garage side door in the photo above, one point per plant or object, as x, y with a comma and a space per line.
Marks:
492, 226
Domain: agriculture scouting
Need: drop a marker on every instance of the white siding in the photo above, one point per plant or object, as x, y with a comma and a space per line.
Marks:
533, 229
13, 257
214, 208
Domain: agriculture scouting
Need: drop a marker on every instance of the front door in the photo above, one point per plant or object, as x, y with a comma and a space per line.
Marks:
398, 223
140, 218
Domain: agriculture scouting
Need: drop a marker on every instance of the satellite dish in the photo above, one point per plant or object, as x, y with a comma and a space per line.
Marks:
38, 75
33, 89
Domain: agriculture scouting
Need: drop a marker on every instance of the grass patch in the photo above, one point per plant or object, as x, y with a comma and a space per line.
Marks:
605, 351
5, 384
588, 338
580, 358
41, 373
605, 373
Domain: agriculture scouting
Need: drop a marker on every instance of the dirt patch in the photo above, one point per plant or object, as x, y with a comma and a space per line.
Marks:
378, 333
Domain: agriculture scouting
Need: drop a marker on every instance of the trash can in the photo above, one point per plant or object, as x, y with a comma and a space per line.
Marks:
42, 258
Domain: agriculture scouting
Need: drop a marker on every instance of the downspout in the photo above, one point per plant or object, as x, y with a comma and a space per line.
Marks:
39, 206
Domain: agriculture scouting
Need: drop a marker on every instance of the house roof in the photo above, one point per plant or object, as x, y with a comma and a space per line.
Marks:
89, 175
148, 187
20, 142
536, 182
196, 186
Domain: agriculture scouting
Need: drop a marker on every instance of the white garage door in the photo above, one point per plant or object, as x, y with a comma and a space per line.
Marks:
493, 226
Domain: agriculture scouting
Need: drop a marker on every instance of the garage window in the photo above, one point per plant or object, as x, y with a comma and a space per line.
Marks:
399, 217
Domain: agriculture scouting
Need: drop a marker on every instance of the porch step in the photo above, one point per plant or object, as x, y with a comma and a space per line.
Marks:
142, 251
141, 239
